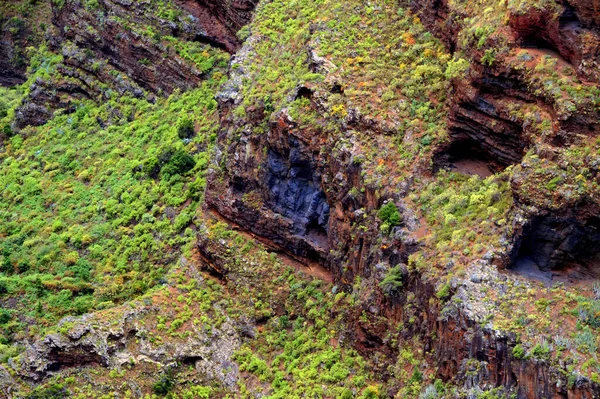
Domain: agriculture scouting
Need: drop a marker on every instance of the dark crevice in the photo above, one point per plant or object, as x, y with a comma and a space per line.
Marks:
537, 42
562, 248
337, 89
556, 41
569, 17
294, 192
467, 157
191, 360
228, 46
304, 92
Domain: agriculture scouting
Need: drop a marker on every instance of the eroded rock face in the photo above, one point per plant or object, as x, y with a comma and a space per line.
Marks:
561, 244
124, 340
101, 50
107, 38
573, 33
19, 30
294, 191
481, 125
221, 20
255, 169
12, 62
555, 234
274, 189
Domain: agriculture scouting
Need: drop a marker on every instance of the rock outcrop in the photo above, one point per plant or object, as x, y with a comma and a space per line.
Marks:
105, 50
220, 20
125, 340
21, 26
12, 57
572, 31
255, 169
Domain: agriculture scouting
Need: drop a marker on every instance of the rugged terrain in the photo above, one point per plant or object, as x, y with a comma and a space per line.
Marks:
300, 199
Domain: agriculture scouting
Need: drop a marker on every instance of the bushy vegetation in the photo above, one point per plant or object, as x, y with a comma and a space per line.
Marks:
392, 283
83, 226
389, 216
99, 204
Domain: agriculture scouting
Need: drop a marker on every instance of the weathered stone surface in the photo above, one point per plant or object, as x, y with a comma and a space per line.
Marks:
115, 343
470, 354
98, 47
220, 20
574, 33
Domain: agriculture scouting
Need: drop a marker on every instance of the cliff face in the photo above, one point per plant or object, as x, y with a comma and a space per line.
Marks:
12, 62
117, 46
335, 146
221, 20
279, 182
21, 26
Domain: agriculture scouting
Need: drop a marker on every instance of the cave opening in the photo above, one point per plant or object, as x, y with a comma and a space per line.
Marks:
317, 234
536, 41
295, 193
539, 41
558, 248
568, 18
468, 157
304, 92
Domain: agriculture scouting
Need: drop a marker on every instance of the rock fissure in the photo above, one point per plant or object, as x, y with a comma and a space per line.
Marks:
555, 247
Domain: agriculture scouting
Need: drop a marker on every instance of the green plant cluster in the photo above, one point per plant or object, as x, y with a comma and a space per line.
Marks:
294, 355
390, 216
83, 226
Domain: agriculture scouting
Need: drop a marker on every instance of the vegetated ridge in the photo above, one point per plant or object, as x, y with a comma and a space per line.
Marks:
299, 199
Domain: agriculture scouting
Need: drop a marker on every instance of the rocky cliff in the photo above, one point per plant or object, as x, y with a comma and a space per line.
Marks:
432, 166
275, 176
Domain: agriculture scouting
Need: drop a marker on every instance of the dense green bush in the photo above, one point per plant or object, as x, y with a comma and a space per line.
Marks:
169, 163
444, 292
5, 316
185, 128
518, 352
179, 163
3, 109
164, 385
392, 283
389, 216
53, 391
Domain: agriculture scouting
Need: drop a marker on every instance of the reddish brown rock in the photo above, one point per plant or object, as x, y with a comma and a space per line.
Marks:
571, 31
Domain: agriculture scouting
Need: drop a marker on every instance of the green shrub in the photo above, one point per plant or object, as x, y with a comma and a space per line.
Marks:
164, 385
518, 352
179, 163
541, 350
587, 341
389, 216
5, 316
444, 292
456, 68
185, 128
392, 282
3, 109
346, 394
54, 391
589, 313
168, 164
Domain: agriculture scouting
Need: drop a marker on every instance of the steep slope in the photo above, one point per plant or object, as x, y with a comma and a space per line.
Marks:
366, 200
283, 163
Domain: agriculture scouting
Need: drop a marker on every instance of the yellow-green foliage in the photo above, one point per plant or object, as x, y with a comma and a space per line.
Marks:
387, 65
466, 213
83, 227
